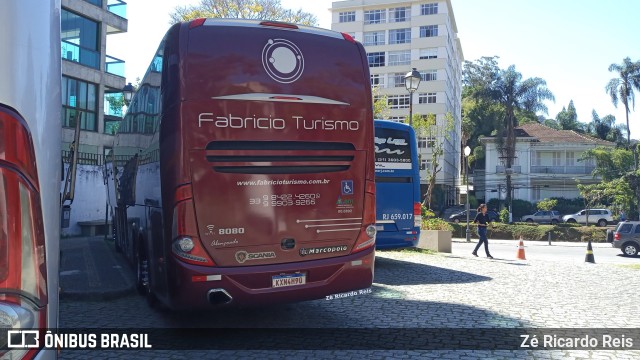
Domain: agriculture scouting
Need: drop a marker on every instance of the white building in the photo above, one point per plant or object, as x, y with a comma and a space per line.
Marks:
399, 36
547, 164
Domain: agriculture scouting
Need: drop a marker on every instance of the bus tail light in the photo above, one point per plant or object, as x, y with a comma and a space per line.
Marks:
23, 267
186, 244
279, 24
196, 22
417, 214
367, 238
348, 38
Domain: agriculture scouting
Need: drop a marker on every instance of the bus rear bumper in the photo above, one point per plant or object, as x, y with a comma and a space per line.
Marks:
395, 241
198, 287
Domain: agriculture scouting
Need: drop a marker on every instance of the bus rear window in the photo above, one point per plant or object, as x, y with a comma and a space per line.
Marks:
393, 147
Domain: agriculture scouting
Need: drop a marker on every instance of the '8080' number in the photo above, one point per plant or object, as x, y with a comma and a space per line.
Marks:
231, 231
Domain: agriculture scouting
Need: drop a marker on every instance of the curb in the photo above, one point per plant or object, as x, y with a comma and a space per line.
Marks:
603, 244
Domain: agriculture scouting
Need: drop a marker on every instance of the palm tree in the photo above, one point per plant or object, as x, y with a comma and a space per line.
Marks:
622, 87
517, 95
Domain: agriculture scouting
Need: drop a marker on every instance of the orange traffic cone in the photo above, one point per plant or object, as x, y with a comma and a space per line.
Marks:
520, 253
589, 258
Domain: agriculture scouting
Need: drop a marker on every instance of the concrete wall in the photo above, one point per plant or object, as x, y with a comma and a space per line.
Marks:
90, 197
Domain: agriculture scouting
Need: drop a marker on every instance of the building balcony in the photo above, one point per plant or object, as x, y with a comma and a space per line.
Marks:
114, 66
514, 169
579, 170
117, 7
84, 56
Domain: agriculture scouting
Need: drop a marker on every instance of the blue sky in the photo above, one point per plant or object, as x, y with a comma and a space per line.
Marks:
569, 43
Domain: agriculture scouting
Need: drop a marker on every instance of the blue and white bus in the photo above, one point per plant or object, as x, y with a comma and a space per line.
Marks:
398, 215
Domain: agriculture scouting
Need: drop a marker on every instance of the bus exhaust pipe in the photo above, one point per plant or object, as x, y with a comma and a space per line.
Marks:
219, 297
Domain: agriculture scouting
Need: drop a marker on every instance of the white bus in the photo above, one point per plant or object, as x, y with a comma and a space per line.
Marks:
30, 166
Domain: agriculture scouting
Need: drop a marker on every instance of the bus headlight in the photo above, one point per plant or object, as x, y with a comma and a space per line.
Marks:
371, 231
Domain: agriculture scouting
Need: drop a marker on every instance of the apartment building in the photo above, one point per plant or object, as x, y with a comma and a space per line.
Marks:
91, 79
399, 36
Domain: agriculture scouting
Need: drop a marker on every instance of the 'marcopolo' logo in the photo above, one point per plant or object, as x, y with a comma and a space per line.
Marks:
323, 250
282, 60
242, 256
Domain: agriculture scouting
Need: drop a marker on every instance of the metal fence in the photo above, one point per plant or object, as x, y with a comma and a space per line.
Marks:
99, 159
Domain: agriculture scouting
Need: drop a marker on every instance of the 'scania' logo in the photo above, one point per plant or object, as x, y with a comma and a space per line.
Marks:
241, 256
282, 60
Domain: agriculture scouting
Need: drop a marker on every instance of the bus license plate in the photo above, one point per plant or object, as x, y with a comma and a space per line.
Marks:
288, 280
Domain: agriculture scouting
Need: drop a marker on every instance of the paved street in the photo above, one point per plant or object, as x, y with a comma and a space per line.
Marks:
412, 290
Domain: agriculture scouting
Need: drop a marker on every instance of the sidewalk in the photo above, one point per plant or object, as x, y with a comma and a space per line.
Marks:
539, 242
90, 269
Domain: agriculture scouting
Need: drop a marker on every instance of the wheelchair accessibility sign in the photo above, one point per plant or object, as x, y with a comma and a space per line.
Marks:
347, 187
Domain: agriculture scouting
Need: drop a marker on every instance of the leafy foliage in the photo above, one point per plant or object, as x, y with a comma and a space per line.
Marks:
504, 216
568, 206
537, 232
428, 127
380, 104
436, 224
623, 87
609, 163
547, 204
242, 9
605, 128
567, 118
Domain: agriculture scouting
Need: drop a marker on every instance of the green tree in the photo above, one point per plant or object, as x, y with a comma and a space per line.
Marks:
380, 104
567, 118
622, 88
242, 9
427, 127
605, 128
547, 204
552, 124
592, 194
515, 95
610, 163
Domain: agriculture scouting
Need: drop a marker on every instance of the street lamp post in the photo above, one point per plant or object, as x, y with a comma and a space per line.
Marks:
467, 152
411, 82
128, 91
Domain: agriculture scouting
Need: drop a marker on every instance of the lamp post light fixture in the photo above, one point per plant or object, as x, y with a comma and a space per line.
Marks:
128, 91
467, 152
411, 82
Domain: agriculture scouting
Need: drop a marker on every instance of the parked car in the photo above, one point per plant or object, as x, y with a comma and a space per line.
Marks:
462, 216
626, 237
543, 217
600, 217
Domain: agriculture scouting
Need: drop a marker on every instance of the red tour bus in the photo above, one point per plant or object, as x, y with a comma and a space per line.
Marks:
243, 171
30, 166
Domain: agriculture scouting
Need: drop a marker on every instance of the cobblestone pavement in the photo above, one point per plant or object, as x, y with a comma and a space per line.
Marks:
411, 290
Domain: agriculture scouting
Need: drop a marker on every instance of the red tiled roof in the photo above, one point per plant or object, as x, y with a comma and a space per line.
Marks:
546, 134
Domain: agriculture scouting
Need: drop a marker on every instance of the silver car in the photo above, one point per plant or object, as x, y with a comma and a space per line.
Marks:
627, 238
601, 217
543, 217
